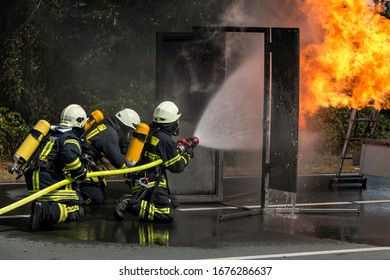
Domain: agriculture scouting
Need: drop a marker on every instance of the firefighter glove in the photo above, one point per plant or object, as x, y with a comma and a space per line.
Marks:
189, 152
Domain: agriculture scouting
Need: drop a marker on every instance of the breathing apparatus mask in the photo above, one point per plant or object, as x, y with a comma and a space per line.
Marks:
124, 134
171, 128
175, 128
79, 131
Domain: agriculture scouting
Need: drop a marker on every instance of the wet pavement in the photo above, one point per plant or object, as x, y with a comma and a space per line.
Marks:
342, 224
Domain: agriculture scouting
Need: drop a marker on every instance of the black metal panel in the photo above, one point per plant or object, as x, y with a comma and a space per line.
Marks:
189, 70
284, 109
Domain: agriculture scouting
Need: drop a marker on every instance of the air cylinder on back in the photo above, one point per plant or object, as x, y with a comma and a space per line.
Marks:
31, 143
137, 144
95, 117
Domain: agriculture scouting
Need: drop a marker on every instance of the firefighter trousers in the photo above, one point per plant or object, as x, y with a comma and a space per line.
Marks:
93, 193
56, 212
60, 205
160, 210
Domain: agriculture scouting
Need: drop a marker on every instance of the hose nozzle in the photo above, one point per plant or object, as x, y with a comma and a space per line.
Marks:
191, 142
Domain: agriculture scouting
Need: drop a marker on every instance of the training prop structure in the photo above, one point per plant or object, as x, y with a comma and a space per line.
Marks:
59, 184
192, 66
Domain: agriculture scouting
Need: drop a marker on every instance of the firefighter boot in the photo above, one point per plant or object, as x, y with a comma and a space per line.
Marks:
120, 207
36, 215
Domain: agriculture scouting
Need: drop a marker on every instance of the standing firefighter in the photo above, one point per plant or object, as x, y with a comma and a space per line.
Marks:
152, 200
109, 138
59, 159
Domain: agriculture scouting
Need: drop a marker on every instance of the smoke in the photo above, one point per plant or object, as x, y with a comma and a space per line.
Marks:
276, 13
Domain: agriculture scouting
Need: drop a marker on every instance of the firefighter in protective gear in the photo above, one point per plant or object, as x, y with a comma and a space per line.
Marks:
156, 204
59, 159
110, 139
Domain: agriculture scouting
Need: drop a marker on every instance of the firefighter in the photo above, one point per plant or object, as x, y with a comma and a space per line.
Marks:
151, 200
109, 138
59, 159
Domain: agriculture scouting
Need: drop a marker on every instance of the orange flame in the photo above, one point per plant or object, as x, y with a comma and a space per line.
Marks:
351, 67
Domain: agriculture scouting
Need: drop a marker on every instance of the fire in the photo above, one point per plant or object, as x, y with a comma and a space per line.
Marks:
351, 66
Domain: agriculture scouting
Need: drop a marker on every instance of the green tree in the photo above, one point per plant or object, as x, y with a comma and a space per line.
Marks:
13, 131
387, 10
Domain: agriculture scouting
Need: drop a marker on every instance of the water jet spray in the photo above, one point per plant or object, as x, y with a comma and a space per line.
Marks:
233, 118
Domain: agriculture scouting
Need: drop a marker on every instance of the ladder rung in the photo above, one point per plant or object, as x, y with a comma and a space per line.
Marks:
356, 178
365, 120
347, 185
347, 157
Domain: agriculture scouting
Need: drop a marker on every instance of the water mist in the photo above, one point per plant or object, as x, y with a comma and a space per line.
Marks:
233, 118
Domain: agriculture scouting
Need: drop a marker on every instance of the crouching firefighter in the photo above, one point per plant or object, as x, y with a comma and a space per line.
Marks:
110, 139
151, 199
57, 160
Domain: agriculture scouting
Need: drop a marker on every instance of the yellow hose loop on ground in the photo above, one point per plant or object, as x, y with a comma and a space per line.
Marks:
59, 184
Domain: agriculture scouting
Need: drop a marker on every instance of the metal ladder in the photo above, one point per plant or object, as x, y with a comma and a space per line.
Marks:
352, 180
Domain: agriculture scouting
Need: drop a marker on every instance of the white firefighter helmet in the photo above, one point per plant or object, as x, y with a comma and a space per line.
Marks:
128, 117
73, 116
166, 112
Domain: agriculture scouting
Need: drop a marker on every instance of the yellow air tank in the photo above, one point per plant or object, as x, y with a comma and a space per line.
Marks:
95, 117
31, 143
137, 144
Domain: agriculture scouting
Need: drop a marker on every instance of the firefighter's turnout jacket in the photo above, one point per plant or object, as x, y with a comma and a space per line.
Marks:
59, 159
106, 138
103, 139
157, 205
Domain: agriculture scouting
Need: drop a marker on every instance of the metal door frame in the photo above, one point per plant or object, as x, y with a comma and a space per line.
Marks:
267, 166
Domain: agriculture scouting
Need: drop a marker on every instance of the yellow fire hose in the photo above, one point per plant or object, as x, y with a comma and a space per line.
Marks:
67, 181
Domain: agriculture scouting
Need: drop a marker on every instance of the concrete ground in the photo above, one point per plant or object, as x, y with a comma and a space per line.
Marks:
343, 224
